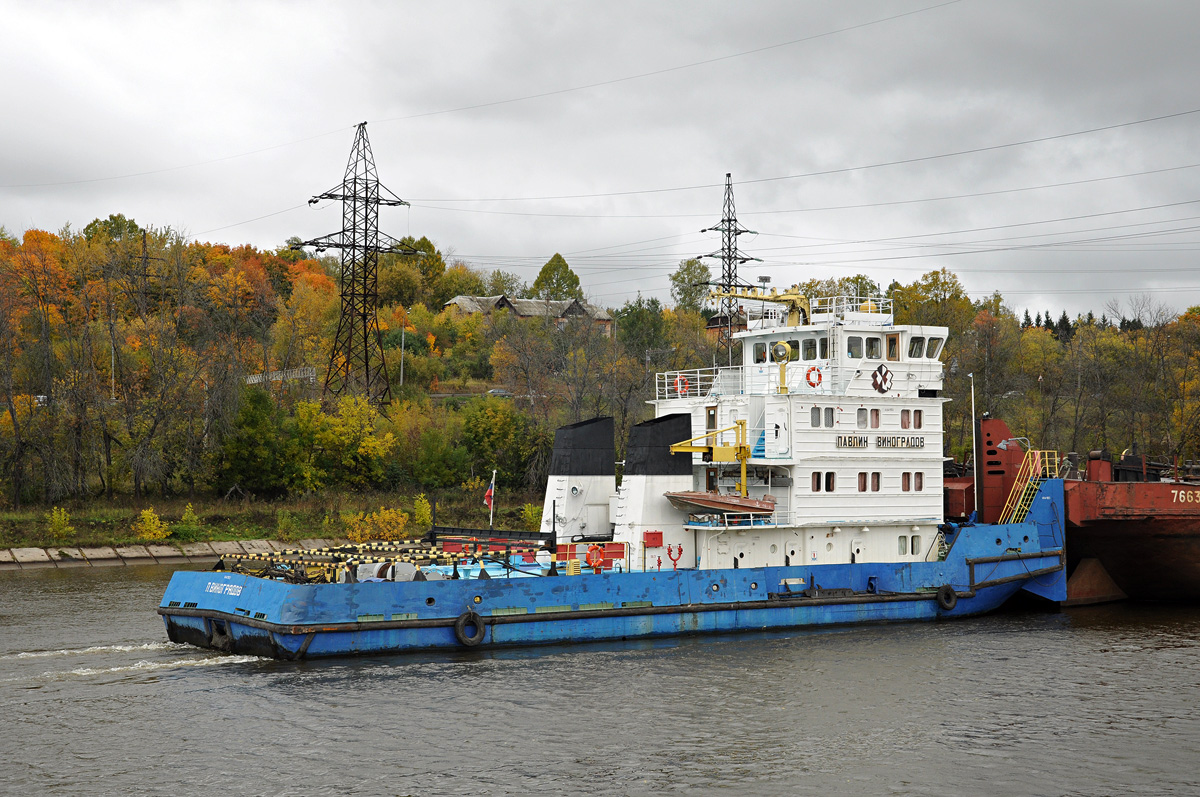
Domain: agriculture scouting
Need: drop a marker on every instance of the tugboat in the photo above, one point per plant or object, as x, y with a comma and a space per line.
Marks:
803, 488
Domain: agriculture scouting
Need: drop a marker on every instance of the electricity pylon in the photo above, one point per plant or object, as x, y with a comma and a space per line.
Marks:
730, 259
356, 364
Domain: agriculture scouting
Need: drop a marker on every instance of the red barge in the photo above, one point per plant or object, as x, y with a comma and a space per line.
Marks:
1132, 526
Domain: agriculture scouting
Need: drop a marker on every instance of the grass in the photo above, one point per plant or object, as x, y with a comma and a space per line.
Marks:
100, 523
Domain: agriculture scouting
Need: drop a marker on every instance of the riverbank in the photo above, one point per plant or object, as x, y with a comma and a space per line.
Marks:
120, 555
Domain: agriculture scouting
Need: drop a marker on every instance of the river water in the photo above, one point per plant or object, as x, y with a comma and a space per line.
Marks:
1097, 701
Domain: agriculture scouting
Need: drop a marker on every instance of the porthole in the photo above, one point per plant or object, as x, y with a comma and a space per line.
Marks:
998, 541
774, 548
753, 585
741, 554
1025, 538
479, 598
429, 601
829, 546
716, 588
793, 553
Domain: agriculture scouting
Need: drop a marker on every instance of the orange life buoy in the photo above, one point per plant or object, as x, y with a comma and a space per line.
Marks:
681, 384
813, 376
595, 557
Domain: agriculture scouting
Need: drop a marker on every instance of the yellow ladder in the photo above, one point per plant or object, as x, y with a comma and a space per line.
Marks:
1035, 469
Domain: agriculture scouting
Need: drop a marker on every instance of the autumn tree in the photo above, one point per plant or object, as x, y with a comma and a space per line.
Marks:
690, 285
556, 281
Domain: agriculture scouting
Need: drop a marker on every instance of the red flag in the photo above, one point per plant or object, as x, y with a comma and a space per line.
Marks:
487, 497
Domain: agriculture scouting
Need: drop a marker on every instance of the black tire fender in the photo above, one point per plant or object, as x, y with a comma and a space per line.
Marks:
469, 617
947, 598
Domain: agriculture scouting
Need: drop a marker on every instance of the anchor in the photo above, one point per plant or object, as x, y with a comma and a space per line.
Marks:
675, 557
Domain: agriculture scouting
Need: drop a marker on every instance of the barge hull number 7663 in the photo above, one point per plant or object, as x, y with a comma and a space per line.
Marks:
802, 488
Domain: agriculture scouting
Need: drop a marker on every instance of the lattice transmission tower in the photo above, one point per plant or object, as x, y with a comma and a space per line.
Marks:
356, 364
730, 259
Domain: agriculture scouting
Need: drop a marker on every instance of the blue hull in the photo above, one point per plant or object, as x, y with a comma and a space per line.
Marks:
984, 567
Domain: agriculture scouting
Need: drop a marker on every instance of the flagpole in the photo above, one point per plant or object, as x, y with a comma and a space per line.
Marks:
492, 503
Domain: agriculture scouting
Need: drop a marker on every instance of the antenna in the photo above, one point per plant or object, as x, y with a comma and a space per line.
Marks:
730, 258
356, 364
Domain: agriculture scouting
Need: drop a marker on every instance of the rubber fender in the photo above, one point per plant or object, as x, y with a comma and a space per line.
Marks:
469, 617
947, 598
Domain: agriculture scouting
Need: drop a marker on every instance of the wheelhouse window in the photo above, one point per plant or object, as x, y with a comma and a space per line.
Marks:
793, 350
760, 352
874, 348
893, 347
809, 347
916, 347
935, 348
854, 347
823, 348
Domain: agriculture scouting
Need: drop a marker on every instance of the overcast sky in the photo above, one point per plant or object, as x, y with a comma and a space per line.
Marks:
1020, 144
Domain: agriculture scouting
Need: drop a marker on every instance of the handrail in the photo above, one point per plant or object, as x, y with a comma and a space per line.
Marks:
1035, 468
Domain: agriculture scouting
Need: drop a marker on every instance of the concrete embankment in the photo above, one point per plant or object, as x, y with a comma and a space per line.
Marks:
105, 556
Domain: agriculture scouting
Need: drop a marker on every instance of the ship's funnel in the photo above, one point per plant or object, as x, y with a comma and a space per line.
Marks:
582, 480
645, 519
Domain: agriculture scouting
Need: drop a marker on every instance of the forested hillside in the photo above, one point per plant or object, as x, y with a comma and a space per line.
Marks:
125, 353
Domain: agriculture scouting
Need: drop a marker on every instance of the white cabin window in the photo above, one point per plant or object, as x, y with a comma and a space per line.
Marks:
816, 417
935, 348
874, 349
793, 350
829, 417
902, 545
875, 478
809, 348
918, 481
905, 482
874, 419
893, 347
760, 352
854, 348
916, 348
862, 417
830, 481
862, 481
917, 418
916, 544
905, 419
823, 348
816, 481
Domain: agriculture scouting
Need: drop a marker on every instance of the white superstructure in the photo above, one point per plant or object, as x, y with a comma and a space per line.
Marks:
845, 434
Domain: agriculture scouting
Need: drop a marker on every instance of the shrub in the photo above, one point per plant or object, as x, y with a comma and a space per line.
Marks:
286, 525
149, 527
473, 484
531, 516
422, 512
386, 524
58, 523
189, 526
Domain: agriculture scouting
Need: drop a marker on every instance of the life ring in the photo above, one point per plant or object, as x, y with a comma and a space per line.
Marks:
595, 557
813, 376
947, 598
469, 617
681, 384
